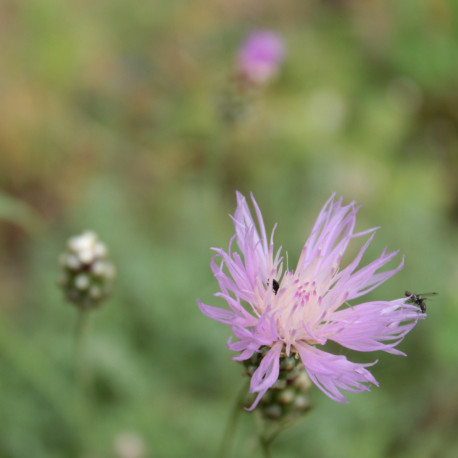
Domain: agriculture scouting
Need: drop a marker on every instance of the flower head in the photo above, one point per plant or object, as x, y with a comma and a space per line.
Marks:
296, 312
260, 56
86, 272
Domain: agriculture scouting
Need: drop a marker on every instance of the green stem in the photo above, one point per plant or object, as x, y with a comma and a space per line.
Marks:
264, 439
265, 446
81, 331
229, 430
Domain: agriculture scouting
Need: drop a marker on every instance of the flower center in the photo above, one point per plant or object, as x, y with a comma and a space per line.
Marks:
297, 312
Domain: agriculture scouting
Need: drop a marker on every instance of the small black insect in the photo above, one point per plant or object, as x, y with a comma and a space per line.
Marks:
275, 285
418, 299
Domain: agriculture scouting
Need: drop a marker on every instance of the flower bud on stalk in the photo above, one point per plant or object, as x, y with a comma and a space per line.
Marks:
258, 61
86, 272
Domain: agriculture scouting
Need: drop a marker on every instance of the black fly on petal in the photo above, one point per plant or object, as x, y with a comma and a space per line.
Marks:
418, 299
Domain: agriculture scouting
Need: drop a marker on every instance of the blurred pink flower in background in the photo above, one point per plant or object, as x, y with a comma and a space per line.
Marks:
260, 56
295, 312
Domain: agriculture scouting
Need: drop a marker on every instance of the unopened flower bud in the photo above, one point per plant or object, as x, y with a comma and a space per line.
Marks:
273, 412
82, 282
86, 272
72, 262
286, 396
303, 382
301, 403
258, 61
260, 56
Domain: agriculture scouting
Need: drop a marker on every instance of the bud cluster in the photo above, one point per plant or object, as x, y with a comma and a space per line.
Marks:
287, 399
86, 272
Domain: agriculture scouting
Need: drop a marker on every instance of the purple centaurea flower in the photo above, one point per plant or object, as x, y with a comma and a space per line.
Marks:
306, 309
260, 56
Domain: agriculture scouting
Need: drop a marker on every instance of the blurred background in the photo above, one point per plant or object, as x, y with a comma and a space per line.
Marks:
110, 121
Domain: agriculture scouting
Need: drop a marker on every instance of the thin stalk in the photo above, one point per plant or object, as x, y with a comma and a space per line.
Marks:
267, 434
229, 430
263, 438
81, 331
265, 446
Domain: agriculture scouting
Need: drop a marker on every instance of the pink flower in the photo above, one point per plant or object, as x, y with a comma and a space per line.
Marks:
260, 56
297, 311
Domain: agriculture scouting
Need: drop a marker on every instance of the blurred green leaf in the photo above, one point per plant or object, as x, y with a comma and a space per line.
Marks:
18, 212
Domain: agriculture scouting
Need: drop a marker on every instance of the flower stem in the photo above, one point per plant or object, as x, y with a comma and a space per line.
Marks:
81, 330
229, 430
264, 439
264, 442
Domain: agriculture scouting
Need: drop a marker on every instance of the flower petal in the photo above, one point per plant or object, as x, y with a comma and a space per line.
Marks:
266, 374
375, 325
254, 248
217, 314
366, 279
250, 270
327, 229
332, 373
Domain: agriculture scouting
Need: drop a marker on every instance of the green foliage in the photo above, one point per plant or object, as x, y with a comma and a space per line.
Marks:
109, 123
